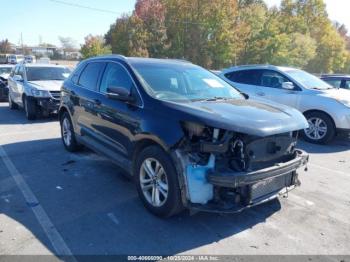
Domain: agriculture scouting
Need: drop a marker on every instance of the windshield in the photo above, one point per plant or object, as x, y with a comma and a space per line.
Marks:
179, 82
5, 70
307, 80
47, 73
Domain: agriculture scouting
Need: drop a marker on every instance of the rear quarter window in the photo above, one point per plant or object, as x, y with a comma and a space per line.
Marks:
76, 73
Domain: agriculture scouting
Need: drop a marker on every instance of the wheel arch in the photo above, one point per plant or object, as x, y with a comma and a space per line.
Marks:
62, 110
322, 112
23, 97
143, 143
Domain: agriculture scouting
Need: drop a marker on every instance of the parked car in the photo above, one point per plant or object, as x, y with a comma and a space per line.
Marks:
44, 60
188, 138
15, 59
337, 81
29, 59
36, 88
4, 58
5, 71
326, 109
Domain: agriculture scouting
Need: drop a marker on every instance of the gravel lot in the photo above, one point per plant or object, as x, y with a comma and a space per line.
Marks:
53, 202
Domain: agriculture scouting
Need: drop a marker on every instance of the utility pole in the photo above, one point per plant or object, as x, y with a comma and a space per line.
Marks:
22, 44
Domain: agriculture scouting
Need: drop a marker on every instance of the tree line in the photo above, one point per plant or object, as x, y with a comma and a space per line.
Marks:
221, 33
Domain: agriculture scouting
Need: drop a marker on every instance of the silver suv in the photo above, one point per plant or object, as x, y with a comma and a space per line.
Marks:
36, 88
327, 109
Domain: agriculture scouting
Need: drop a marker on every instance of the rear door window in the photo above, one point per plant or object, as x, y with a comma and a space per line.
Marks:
249, 77
90, 75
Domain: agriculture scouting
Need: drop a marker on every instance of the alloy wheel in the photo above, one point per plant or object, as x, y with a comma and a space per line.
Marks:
317, 128
154, 182
66, 131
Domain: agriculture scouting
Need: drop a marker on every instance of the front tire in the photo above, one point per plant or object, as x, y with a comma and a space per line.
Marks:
67, 133
321, 128
157, 182
30, 108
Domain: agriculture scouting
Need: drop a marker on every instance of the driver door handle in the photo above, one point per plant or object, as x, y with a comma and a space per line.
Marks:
260, 93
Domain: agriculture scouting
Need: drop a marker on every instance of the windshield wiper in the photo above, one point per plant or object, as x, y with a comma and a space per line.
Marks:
317, 88
215, 98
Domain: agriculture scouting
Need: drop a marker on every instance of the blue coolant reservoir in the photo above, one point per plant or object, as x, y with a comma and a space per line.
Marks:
200, 190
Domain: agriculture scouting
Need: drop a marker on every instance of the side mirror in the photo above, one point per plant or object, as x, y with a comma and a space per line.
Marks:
18, 78
119, 93
246, 96
288, 85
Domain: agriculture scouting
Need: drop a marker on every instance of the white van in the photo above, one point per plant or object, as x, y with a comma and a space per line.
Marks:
29, 59
15, 59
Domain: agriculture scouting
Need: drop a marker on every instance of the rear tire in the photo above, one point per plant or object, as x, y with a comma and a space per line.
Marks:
12, 105
67, 133
30, 108
164, 181
321, 130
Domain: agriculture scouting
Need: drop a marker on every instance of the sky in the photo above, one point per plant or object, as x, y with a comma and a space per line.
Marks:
48, 19
45, 20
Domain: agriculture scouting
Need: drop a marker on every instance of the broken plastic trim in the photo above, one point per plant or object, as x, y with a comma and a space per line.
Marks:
237, 179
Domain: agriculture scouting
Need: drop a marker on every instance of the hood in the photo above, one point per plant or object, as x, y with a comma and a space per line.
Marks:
4, 76
263, 118
49, 85
338, 94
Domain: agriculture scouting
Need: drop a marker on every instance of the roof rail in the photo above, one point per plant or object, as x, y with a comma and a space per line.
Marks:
180, 60
109, 56
325, 75
254, 65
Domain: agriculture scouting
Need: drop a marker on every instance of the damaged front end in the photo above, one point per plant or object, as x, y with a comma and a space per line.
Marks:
226, 171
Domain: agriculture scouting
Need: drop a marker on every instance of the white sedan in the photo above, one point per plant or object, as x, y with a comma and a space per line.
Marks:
327, 109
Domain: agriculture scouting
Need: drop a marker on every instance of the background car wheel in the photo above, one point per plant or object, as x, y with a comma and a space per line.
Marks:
30, 108
67, 133
321, 128
12, 104
157, 182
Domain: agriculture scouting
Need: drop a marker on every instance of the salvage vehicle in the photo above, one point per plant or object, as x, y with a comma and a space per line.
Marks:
188, 138
5, 71
327, 109
36, 88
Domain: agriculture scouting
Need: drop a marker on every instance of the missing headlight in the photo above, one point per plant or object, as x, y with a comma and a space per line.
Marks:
193, 129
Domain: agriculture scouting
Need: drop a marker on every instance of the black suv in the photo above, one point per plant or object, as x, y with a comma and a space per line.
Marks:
188, 138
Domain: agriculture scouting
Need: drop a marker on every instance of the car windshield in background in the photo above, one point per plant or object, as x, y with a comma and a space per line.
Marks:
5, 70
307, 80
47, 73
175, 82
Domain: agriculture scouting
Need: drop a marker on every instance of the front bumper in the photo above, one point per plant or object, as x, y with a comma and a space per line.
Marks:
50, 105
253, 188
247, 178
